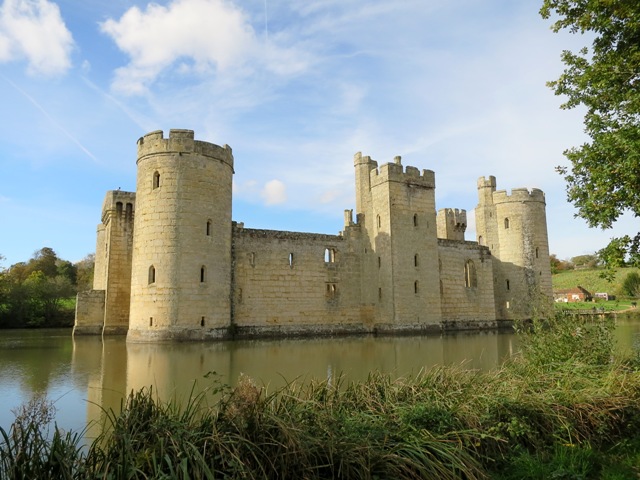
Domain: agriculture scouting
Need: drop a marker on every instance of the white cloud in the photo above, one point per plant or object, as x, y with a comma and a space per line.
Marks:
274, 192
35, 30
202, 35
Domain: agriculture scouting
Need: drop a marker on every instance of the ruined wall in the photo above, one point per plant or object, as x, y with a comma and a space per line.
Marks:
181, 277
466, 282
89, 313
290, 282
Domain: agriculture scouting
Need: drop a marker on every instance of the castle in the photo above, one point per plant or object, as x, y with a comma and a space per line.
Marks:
172, 265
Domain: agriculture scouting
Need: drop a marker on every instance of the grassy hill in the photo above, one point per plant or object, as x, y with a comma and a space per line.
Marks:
591, 280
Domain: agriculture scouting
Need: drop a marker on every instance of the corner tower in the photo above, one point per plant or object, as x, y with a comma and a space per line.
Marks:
181, 268
514, 227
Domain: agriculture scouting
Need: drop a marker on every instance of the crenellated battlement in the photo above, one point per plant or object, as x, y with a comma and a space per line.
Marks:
519, 195
487, 182
179, 142
117, 201
451, 223
395, 172
454, 216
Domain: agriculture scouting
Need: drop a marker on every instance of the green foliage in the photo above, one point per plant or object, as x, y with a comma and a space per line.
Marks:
558, 265
586, 261
84, 272
603, 79
631, 284
566, 338
34, 293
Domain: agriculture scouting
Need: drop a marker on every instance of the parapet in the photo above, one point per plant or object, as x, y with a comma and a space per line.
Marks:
394, 172
487, 182
181, 141
359, 159
451, 223
519, 195
118, 201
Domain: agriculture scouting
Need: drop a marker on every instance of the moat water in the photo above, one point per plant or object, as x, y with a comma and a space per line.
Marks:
84, 375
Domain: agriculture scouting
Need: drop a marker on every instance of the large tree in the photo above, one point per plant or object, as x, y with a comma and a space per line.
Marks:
603, 181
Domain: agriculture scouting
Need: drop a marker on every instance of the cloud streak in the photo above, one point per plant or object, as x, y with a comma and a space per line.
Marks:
53, 121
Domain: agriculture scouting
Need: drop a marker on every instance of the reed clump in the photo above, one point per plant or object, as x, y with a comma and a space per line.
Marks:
563, 408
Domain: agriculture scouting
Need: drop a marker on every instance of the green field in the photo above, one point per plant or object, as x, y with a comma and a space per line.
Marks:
591, 280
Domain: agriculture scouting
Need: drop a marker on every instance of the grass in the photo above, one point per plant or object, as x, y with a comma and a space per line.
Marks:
591, 280
562, 409
608, 306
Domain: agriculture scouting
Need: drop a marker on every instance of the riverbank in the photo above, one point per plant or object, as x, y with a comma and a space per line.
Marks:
562, 409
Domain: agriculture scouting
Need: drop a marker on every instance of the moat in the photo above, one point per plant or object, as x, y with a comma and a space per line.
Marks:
83, 375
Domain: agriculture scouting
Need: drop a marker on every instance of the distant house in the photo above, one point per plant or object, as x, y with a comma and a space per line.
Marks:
569, 295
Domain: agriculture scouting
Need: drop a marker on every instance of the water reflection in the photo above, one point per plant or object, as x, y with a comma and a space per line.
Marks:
86, 375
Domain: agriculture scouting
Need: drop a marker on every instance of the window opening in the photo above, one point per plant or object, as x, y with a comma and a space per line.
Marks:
508, 285
415, 260
415, 219
537, 252
151, 321
291, 260
252, 259
506, 223
129, 211
202, 322
379, 221
379, 262
208, 228
379, 293
156, 180
329, 255
331, 290
152, 274
415, 287
119, 208
470, 276
203, 274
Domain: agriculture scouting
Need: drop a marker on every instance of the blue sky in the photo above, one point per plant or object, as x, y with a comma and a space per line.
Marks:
296, 88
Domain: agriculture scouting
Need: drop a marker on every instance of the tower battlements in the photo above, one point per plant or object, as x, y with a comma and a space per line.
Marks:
519, 195
484, 182
117, 201
395, 172
451, 223
179, 142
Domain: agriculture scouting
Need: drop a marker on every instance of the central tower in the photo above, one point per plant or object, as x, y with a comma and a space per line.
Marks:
181, 266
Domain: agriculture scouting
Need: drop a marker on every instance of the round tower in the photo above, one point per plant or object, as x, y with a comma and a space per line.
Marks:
181, 266
524, 276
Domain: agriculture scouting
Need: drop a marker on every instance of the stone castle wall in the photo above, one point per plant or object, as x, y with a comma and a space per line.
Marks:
171, 264
466, 283
290, 281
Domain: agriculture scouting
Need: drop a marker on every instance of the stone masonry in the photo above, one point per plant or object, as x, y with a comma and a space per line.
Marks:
172, 265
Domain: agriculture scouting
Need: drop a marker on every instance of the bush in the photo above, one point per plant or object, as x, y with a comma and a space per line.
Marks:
631, 284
